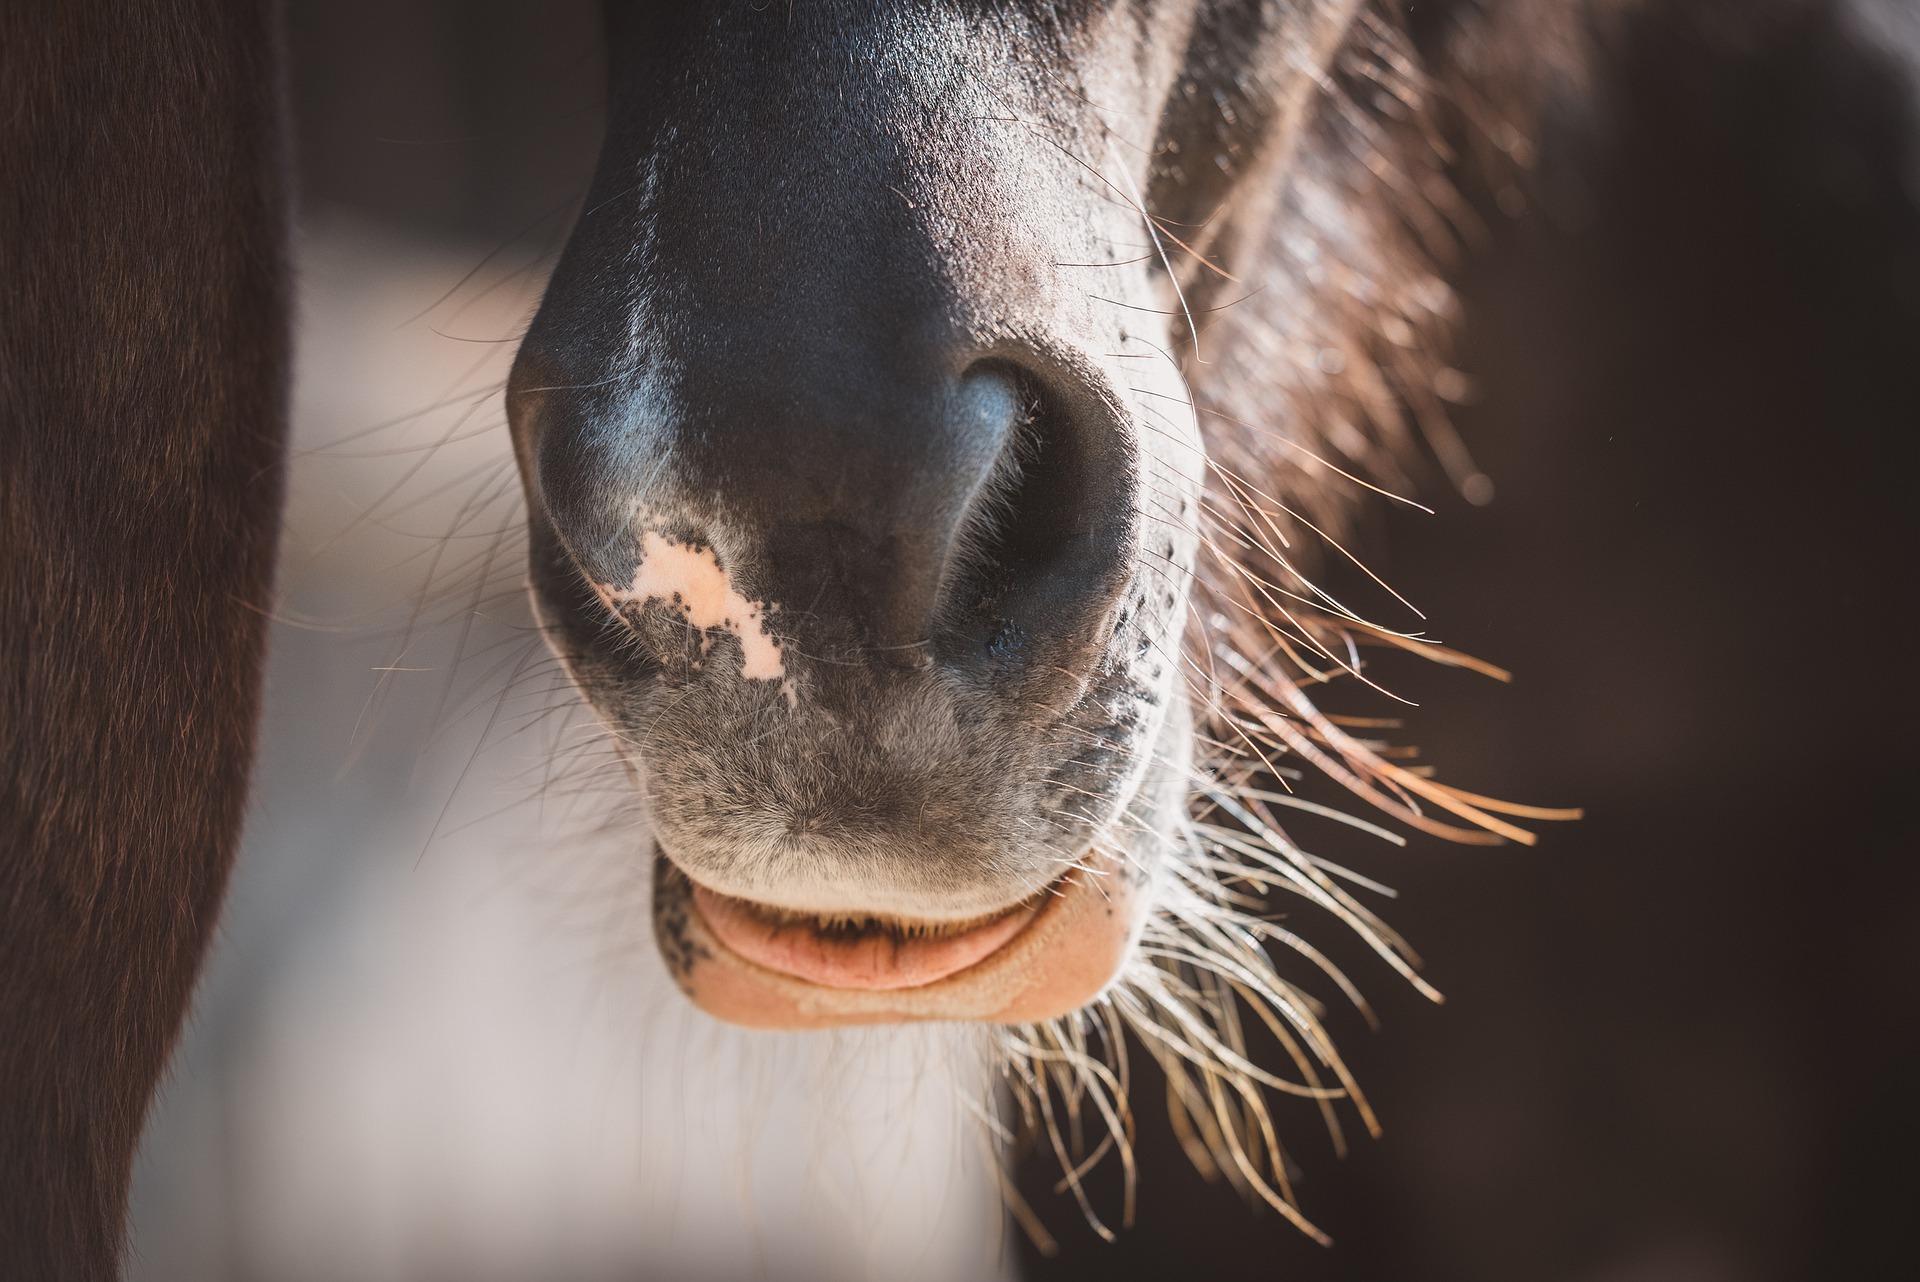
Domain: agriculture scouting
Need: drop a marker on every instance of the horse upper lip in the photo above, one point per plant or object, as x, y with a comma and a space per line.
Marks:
863, 953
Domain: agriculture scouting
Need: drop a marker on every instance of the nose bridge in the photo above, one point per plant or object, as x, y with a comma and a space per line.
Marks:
834, 381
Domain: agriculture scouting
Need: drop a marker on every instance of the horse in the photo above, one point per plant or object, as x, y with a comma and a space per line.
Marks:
930, 437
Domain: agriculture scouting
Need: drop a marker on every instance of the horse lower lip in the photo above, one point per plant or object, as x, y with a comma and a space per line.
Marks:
872, 960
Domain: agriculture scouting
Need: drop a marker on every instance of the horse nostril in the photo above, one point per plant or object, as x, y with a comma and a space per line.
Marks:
1043, 549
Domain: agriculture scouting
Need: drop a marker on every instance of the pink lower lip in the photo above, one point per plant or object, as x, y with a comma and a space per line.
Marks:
872, 960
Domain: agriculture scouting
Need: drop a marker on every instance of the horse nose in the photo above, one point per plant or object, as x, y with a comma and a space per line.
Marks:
1046, 542
887, 516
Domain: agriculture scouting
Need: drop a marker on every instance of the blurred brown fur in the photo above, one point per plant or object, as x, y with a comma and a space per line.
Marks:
143, 362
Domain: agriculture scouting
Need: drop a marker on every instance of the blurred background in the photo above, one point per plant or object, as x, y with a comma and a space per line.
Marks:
1679, 1042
